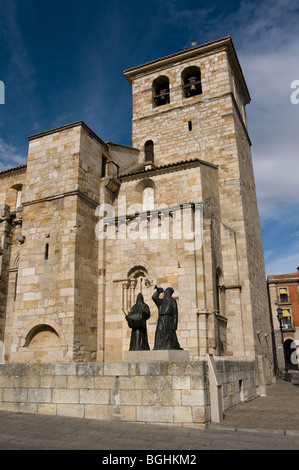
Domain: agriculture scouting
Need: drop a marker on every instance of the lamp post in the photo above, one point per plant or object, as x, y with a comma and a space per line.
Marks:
279, 318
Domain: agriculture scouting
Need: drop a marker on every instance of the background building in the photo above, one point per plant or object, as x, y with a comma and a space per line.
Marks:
284, 293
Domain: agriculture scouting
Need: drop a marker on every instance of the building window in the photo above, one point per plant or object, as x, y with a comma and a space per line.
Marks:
104, 163
190, 125
219, 291
15, 270
286, 319
47, 251
161, 94
191, 82
283, 295
149, 151
136, 282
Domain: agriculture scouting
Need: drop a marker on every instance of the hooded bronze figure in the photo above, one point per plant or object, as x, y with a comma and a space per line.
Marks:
165, 337
136, 319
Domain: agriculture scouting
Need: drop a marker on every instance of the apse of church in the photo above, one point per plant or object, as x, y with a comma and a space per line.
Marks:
87, 225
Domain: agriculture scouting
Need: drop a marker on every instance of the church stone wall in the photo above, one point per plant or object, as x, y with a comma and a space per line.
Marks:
10, 180
64, 290
57, 269
254, 248
210, 113
165, 260
218, 136
45, 285
150, 392
11, 184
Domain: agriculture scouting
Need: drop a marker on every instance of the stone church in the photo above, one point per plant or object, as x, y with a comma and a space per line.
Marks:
86, 225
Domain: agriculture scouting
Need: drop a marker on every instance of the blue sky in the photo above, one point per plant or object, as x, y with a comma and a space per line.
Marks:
62, 61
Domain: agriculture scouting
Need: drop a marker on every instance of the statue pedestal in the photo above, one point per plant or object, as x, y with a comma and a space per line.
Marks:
168, 355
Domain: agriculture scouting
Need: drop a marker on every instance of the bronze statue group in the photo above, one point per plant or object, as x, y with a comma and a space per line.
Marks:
165, 336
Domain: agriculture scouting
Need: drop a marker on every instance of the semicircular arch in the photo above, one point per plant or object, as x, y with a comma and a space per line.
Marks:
42, 336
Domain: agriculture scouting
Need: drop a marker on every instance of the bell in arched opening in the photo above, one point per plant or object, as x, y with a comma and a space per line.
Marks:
191, 82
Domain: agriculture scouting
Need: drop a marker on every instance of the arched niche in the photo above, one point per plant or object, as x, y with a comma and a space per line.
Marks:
14, 197
145, 192
42, 336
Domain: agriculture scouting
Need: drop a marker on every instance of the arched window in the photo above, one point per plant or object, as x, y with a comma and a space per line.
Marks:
136, 281
137, 272
191, 82
149, 151
161, 93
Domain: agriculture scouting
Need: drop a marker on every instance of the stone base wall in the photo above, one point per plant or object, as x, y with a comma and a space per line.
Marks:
151, 392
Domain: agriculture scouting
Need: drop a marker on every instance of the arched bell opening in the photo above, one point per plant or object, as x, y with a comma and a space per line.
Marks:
161, 94
191, 82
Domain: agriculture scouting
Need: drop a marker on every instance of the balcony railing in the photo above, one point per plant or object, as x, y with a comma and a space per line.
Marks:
284, 299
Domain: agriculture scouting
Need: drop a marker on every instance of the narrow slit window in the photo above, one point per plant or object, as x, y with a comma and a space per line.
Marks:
190, 125
47, 251
104, 163
149, 151
16, 287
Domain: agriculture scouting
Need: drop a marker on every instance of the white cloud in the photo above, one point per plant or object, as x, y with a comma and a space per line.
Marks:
268, 54
11, 38
283, 262
267, 43
277, 177
266, 38
9, 156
